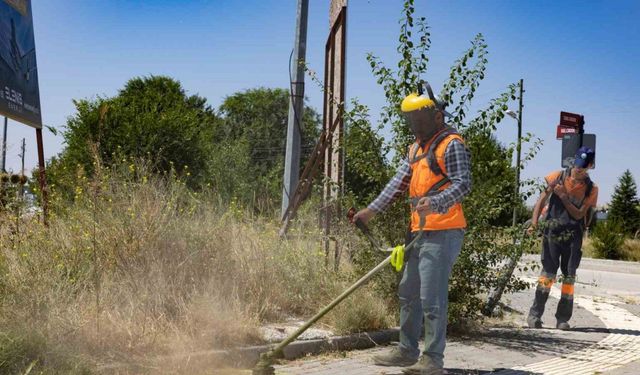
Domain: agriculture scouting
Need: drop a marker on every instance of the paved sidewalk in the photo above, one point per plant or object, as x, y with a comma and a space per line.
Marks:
497, 348
605, 337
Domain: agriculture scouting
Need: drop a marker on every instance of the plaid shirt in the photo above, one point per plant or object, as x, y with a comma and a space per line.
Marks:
457, 161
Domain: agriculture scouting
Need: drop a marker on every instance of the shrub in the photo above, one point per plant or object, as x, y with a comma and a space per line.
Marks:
607, 240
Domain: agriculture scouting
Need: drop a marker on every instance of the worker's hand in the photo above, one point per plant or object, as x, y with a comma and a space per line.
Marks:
560, 191
364, 215
532, 228
424, 206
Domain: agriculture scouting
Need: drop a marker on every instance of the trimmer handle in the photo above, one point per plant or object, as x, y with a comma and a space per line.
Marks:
363, 227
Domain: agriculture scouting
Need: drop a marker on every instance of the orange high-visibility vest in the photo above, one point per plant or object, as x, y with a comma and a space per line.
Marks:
423, 179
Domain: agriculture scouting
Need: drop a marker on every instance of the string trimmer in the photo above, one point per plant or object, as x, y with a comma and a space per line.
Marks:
265, 364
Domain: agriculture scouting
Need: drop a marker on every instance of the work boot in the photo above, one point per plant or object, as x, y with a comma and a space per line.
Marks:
395, 357
425, 366
563, 326
534, 322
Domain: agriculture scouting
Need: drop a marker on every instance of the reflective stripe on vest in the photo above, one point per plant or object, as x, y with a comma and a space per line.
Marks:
423, 179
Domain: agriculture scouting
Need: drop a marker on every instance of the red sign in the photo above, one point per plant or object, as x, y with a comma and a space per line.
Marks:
564, 130
571, 119
570, 123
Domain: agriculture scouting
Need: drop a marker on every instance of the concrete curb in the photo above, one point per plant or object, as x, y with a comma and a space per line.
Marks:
247, 357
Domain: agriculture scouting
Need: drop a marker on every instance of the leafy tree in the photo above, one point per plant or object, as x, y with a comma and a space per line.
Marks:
254, 122
151, 118
624, 203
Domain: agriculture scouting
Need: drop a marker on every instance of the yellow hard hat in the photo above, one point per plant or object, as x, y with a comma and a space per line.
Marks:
414, 102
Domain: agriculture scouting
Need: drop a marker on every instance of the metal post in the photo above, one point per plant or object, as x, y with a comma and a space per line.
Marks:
23, 148
4, 145
496, 294
296, 107
43, 178
518, 148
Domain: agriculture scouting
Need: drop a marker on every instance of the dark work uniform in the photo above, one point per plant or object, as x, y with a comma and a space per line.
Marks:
562, 247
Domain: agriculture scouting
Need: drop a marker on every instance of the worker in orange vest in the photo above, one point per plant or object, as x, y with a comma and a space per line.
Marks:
437, 174
566, 205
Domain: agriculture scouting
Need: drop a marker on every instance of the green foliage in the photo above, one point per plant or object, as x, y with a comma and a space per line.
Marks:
259, 117
464, 78
624, 204
239, 152
607, 239
412, 49
366, 169
152, 118
251, 140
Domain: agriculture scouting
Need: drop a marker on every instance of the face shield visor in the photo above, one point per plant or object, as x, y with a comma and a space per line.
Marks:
422, 122
420, 111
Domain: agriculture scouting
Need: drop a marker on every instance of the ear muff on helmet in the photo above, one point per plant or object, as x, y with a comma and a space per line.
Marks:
440, 105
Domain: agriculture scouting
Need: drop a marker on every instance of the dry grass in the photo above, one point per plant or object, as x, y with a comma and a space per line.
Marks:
140, 267
630, 250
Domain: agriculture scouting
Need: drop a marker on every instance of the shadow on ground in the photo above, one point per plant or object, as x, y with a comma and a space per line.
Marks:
543, 341
456, 371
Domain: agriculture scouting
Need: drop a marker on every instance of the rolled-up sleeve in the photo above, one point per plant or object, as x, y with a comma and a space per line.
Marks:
458, 165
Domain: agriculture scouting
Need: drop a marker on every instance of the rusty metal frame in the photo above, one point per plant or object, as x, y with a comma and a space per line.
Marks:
332, 113
309, 173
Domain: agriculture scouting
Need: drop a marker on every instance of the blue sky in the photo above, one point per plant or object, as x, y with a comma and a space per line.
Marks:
577, 56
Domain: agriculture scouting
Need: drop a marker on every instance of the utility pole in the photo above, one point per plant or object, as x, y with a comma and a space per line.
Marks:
496, 294
518, 151
4, 145
296, 107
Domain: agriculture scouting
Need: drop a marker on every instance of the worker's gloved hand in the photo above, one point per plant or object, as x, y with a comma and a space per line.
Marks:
397, 257
363, 215
424, 206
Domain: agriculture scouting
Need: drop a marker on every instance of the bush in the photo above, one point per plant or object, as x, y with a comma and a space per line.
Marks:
607, 240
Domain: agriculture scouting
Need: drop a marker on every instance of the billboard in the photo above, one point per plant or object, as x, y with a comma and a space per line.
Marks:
19, 94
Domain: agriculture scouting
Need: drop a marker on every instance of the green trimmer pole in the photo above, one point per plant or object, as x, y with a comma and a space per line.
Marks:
264, 365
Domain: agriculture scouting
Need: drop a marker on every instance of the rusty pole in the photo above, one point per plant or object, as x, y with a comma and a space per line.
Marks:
42, 177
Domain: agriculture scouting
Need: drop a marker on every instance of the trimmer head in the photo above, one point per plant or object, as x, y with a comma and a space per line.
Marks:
265, 364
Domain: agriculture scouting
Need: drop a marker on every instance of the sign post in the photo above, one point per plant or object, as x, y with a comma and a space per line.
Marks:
571, 131
19, 91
